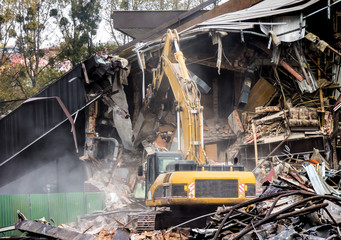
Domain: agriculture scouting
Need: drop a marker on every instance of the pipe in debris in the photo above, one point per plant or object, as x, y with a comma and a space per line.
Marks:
222, 224
321, 9
253, 201
114, 140
191, 220
273, 206
303, 210
319, 67
178, 128
260, 199
291, 70
277, 215
300, 61
142, 70
246, 213
331, 217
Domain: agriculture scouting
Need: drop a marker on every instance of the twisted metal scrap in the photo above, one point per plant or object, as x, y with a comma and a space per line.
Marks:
284, 213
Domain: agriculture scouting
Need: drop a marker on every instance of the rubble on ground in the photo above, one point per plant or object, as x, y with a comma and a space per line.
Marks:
300, 199
291, 97
290, 206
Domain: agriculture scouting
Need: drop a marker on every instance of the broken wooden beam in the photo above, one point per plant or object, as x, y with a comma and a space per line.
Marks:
291, 70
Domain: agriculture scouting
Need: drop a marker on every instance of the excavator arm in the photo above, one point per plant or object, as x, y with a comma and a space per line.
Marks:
171, 181
172, 67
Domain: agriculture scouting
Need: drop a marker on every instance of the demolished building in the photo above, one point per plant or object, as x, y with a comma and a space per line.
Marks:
269, 79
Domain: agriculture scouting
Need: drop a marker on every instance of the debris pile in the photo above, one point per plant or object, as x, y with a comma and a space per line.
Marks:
217, 130
277, 215
118, 181
300, 199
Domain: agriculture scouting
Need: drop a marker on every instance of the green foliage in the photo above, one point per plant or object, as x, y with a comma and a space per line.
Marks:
32, 17
78, 26
16, 79
7, 27
104, 47
47, 76
27, 21
12, 79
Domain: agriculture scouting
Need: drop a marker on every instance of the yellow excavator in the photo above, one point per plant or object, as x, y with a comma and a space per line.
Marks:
182, 180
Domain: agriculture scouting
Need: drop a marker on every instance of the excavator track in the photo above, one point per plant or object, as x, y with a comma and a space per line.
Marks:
144, 221
156, 220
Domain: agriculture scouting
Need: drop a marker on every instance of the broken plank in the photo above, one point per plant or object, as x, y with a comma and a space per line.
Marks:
235, 122
7, 228
260, 94
271, 118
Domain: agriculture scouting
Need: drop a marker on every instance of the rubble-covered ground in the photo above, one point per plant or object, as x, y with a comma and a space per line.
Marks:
300, 199
294, 96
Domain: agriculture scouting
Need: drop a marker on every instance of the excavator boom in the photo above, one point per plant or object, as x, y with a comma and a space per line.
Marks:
187, 95
183, 178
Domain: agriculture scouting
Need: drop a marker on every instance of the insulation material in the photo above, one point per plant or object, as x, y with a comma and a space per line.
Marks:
122, 123
216, 39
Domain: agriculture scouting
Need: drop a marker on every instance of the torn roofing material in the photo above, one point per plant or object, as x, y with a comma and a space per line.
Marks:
265, 8
238, 17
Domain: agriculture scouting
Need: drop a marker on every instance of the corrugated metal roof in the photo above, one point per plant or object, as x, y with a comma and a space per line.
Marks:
265, 8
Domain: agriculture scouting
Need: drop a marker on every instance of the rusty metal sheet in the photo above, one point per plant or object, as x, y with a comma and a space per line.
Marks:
50, 231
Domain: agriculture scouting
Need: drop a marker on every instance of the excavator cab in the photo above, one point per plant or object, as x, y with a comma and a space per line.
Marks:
157, 164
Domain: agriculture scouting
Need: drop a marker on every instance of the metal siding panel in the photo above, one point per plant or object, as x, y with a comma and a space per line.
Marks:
16, 127
20, 202
39, 206
94, 201
5, 211
58, 207
63, 207
75, 205
8, 210
31, 120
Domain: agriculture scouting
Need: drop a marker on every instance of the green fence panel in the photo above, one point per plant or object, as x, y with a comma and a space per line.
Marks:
9, 204
94, 201
39, 206
75, 205
20, 202
62, 207
5, 210
57, 207
6, 217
